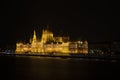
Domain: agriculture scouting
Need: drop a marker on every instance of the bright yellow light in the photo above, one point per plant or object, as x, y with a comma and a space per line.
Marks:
55, 44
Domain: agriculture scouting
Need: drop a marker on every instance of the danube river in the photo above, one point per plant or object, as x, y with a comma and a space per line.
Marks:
46, 68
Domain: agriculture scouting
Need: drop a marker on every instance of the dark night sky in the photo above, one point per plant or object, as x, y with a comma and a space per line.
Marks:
94, 21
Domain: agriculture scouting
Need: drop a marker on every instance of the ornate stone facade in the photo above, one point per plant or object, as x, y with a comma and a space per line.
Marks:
50, 44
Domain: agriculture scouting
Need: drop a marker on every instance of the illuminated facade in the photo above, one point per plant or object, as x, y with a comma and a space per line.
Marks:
50, 44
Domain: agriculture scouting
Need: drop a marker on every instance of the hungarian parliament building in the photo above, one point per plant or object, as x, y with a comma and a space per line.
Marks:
51, 44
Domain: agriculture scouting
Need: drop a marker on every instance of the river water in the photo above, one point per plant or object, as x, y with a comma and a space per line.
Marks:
45, 68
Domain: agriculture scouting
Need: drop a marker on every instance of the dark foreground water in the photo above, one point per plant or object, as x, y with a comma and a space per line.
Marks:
40, 68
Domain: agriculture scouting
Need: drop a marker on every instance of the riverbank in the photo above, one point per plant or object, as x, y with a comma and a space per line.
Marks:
102, 57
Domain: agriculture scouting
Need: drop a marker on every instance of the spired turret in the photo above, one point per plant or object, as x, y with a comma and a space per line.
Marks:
34, 43
34, 40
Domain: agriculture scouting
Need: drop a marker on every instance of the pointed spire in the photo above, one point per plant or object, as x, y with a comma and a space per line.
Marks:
34, 37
